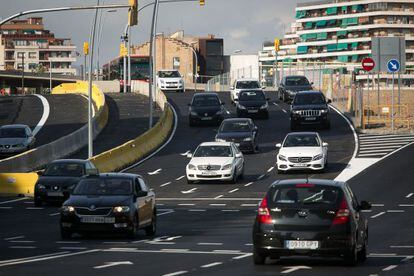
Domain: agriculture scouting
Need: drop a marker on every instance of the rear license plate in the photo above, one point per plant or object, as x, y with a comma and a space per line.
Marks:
54, 194
310, 118
252, 111
302, 245
206, 118
97, 220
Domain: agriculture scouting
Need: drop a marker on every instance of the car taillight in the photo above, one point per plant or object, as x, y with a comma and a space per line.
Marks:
263, 213
342, 215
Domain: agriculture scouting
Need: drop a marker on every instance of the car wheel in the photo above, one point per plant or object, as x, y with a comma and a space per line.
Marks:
65, 233
351, 258
362, 255
234, 179
132, 233
37, 202
152, 228
258, 258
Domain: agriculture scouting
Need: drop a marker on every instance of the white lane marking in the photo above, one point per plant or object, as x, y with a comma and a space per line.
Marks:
377, 205
185, 153
275, 104
249, 244
208, 199
140, 241
14, 238
113, 242
155, 172
18, 241
34, 208
45, 115
5, 208
366, 211
179, 178
165, 213
395, 211
217, 204
260, 177
270, 169
407, 259
160, 148
175, 250
289, 269
382, 255
248, 205
217, 197
109, 264
189, 191
227, 251
136, 250
176, 273
409, 195
211, 264
284, 111
186, 204
228, 112
13, 200
22, 247
242, 256
377, 215
234, 190
390, 267
401, 246
29, 258
165, 184
248, 184
406, 205
67, 242
72, 248
160, 204
209, 243
54, 214
365, 135
196, 210
230, 210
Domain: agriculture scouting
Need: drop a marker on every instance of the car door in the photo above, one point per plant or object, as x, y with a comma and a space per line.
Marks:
148, 201
255, 133
324, 149
140, 203
359, 218
239, 161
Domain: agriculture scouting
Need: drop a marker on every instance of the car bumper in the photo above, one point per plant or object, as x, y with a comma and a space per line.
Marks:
253, 112
317, 120
195, 175
171, 87
51, 196
207, 119
242, 145
12, 150
288, 166
73, 223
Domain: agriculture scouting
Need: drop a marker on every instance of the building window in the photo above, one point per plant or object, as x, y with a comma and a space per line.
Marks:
20, 66
32, 66
32, 55
20, 43
176, 63
20, 54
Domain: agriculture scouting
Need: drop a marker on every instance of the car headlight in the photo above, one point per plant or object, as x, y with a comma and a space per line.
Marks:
181, 81
282, 157
41, 186
266, 105
324, 111
247, 139
121, 209
192, 167
227, 167
296, 111
241, 107
193, 113
317, 157
68, 209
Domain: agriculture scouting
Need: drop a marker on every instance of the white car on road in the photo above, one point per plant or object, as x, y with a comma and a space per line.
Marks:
302, 151
243, 84
170, 80
215, 161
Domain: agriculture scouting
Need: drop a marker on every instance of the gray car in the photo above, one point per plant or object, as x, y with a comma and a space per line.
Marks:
290, 85
16, 139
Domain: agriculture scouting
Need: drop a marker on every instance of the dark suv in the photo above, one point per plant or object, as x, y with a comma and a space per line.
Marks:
312, 218
309, 108
290, 85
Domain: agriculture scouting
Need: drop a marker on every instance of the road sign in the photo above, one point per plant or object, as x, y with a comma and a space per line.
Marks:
386, 48
393, 65
368, 64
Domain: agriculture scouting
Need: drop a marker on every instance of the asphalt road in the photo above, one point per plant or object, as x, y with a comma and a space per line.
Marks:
206, 228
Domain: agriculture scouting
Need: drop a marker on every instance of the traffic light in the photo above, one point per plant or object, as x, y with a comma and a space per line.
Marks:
277, 44
86, 48
123, 51
133, 13
202, 2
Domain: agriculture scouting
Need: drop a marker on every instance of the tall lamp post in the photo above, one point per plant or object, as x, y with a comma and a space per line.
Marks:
100, 34
196, 66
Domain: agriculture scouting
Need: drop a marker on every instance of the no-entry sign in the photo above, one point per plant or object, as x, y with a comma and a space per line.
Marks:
368, 64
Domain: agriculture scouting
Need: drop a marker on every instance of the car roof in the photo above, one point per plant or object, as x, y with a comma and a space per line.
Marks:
326, 182
247, 80
116, 175
310, 92
205, 94
296, 76
80, 161
215, 144
14, 126
303, 133
237, 120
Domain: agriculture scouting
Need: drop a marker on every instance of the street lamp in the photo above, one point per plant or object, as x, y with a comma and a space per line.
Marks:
196, 67
100, 34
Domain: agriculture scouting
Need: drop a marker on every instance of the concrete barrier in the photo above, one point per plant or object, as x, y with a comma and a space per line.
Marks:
108, 86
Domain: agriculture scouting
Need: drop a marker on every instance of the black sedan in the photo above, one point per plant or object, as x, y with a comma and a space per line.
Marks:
312, 218
252, 103
59, 179
206, 108
290, 85
113, 202
241, 131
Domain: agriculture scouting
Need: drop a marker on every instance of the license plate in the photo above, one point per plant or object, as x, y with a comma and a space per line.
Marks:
57, 194
206, 118
302, 245
252, 111
208, 173
299, 165
310, 118
97, 220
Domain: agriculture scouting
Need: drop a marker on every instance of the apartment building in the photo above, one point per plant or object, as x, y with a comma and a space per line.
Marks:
26, 44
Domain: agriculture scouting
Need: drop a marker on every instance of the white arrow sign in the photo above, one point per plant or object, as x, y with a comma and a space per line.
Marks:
155, 172
290, 269
109, 264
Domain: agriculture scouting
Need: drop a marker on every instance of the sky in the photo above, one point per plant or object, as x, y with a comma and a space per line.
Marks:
243, 24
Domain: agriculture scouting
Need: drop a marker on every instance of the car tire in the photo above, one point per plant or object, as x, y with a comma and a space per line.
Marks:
132, 233
37, 202
151, 229
234, 179
283, 97
241, 176
351, 258
362, 255
65, 234
258, 258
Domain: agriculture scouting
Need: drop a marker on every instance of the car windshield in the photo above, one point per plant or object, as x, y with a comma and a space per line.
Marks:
247, 84
104, 187
237, 126
309, 98
16, 132
305, 194
301, 140
213, 151
252, 96
169, 74
206, 101
64, 169
297, 81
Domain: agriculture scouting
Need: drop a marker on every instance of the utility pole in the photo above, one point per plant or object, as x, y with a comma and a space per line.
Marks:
50, 75
129, 60
124, 40
23, 73
151, 65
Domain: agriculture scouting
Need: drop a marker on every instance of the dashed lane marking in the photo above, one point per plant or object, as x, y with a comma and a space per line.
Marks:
209, 243
377, 215
189, 191
406, 205
248, 205
185, 153
165, 184
18, 241
14, 238
13, 200
54, 214
165, 213
234, 190
390, 267
409, 195
242, 256
176, 273
155, 172
179, 178
227, 251
217, 197
230, 210
401, 246
377, 205
34, 208
22, 247
211, 264
208, 199
248, 184
72, 248
186, 204
284, 111
217, 204
196, 210
395, 211
5, 208
67, 242
270, 169
260, 177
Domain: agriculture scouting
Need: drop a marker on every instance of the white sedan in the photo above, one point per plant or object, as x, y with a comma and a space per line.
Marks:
215, 161
302, 151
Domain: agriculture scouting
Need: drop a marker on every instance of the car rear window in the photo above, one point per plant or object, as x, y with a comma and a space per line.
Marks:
247, 84
104, 186
251, 96
300, 195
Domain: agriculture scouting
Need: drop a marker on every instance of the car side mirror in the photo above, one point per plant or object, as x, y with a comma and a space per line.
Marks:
329, 101
141, 193
365, 205
278, 145
39, 173
239, 155
231, 87
325, 144
92, 171
189, 155
256, 128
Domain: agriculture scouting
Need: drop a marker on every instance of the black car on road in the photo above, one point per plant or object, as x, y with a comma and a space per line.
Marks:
206, 107
252, 103
110, 202
309, 108
59, 178
241, 131
312, 218
290, 85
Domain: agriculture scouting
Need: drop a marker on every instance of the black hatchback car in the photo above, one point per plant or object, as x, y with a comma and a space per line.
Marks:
310, 108
312, 218
110, 202
252, 103
241, 131
290, 85
59, 178
207, 108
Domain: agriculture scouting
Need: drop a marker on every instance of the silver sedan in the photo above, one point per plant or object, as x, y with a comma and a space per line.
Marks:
16, 139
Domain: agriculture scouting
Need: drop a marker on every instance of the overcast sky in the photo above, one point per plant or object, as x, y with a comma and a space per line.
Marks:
244, 24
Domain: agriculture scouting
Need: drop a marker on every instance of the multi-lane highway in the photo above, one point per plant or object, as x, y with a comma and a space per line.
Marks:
205, 228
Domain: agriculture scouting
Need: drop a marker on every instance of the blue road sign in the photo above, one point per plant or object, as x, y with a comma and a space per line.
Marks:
393, 65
